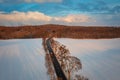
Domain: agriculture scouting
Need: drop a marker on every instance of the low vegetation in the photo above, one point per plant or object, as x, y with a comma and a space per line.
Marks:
60, 31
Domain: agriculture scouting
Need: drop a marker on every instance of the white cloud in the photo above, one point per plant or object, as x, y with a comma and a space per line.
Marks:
74, 18
21, 18
36, 18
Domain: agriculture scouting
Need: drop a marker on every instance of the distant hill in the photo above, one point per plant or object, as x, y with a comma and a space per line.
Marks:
60, 31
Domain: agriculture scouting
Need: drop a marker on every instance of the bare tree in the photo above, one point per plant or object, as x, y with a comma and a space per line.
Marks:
69, 64
50, 68
48, 62
79, 77
73, 64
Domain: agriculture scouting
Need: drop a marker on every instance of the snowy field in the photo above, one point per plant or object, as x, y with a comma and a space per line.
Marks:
100, 58
24, 59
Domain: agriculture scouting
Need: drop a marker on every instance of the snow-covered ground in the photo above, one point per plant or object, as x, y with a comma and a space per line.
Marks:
100, 58
24, 59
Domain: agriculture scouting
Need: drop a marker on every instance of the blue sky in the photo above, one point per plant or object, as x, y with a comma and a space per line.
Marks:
68, 12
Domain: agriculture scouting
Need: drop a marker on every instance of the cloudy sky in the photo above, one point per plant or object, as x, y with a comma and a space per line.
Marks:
67, 12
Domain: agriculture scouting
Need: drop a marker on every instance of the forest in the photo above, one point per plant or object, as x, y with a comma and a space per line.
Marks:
59, 31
